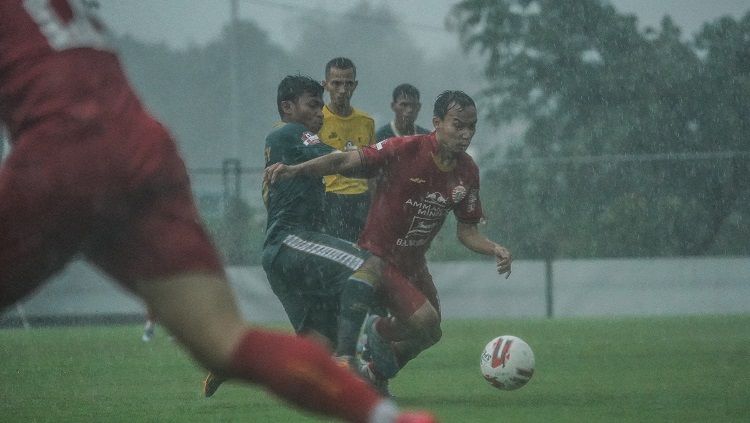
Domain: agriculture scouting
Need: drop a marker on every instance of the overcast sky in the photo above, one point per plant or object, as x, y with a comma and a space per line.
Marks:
181, 22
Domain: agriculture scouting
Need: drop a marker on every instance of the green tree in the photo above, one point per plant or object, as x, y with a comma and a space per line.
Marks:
190, 91
374, 38
588, 83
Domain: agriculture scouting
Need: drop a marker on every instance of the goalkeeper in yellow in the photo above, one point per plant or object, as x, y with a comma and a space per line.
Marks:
345, 128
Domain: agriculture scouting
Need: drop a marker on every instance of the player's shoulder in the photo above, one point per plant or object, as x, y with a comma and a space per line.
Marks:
384, 132
384, 128
362, 115
286, 132
408, 143
421, 130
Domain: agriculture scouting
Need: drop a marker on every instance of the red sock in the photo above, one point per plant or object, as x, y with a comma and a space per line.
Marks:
303, 373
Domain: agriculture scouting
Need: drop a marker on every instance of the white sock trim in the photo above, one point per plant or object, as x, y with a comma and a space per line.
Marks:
385, 411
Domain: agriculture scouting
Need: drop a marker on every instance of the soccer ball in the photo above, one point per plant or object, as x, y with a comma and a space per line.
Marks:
507, 362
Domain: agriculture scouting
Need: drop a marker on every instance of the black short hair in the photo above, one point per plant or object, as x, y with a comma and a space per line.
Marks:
340, 63
406, 90
293, 87
449, 99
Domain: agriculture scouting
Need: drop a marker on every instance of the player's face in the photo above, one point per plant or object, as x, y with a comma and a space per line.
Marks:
455, 131
340, 84
307, 110
406, 110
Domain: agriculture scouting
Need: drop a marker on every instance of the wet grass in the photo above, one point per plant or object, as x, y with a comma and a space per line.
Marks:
682, 369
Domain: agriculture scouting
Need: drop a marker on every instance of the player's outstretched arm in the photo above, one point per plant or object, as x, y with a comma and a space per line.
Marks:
471, 238
330, 164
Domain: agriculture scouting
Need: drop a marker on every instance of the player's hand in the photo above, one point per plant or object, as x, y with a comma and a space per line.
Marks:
276, 171
503, 259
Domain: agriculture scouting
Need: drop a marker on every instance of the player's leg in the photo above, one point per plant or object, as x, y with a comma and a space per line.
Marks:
200, 311
329, 268
297, 285
413, 301
197, 306
306, 274
149, 327
414, 325
409, 348
357, 298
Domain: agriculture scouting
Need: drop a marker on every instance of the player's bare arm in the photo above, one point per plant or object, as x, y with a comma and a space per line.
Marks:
471, 238
330, 164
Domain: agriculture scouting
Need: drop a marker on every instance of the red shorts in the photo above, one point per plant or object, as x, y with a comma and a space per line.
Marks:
404, 291
112, 188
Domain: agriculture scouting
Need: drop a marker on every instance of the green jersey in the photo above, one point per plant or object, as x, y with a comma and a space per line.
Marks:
294, 204
389, 131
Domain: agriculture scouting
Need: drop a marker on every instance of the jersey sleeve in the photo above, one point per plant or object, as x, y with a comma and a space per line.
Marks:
469, 209
377, 156
312, 147
291, 146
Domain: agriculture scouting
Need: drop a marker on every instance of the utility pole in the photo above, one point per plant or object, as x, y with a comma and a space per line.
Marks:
234, 80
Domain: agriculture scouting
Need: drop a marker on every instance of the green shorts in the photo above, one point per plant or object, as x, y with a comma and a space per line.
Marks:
307, 273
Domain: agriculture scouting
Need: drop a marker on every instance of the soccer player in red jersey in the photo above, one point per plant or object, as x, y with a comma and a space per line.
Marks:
424, 177
91, 172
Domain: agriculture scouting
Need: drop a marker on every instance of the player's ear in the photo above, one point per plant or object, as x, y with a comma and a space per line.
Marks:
436, 121
287, 106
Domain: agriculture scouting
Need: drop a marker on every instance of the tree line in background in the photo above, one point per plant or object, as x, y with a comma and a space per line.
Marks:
627, 131
635, 142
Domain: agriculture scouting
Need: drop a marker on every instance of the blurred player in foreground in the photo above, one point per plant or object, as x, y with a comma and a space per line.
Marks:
405, 106
92, 172
423, 178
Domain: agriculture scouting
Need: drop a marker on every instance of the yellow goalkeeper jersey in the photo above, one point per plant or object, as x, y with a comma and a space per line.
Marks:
346, 133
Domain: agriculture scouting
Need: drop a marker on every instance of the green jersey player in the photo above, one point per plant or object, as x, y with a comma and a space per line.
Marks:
322, 281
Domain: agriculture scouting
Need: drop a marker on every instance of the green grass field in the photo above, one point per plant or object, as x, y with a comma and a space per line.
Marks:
688, 369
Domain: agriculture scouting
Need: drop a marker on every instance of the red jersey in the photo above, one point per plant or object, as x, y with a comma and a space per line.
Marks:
414, 196
91, 171
39, 38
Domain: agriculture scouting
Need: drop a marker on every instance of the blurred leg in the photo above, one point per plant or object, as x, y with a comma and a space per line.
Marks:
200, 311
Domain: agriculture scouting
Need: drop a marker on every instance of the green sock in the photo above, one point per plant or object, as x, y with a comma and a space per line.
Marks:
356, 299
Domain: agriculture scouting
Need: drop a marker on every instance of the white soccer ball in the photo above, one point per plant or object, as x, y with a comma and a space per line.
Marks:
507, 362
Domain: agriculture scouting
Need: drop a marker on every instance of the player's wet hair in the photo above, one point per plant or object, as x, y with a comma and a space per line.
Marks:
340, 63
406, 90
450, 99
293, 87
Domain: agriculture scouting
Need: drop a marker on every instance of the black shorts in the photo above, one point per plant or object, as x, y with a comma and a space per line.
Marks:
307, 274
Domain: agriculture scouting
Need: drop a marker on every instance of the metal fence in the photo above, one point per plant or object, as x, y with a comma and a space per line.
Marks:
468, 289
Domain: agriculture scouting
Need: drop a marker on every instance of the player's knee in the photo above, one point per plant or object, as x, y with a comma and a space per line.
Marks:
430, 337
425, 320
421, 341
434, 335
